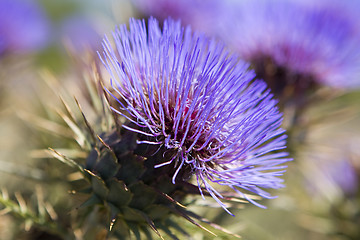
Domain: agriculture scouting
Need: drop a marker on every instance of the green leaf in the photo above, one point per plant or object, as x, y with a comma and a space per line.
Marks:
151, 224
80, 138
99, 187
66, 160
131, 169
87, 124
46, 125
156, 211
106, 166
135, 229
169, 232
143, 195
93, 200
120, 229
118, 195
131, 214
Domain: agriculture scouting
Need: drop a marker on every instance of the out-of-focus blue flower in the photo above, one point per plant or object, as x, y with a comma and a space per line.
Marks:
317, 40
24, 26
331, 177
201, 15
344, 175
80, 33
187, 95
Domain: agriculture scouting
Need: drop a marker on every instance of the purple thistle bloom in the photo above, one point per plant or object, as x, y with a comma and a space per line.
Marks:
81, 33
23, 26
332, 176
317, 40
343, 173
188, 94
201, 15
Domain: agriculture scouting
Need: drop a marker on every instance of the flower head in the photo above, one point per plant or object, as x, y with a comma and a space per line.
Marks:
23, 26
81, 33
315, 40
196, 102
201, 15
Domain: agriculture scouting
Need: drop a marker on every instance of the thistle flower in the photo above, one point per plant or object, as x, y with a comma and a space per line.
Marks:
201, 15
198, 105
80, 34
314, 41
23, 26
333, 178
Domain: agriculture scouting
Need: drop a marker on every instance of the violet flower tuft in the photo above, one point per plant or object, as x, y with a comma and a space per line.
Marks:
199, 104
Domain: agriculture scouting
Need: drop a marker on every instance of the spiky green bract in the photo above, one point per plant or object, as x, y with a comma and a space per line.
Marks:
136, 194
198, 105
124, 193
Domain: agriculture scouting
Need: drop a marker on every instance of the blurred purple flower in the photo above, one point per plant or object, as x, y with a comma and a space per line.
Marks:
24, 26
331, 177
80, 33
187, 95
317, 40
202, 15
344, 175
